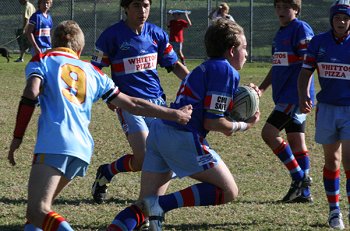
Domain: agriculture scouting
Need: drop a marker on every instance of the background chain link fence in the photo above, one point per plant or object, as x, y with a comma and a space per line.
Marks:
257, 18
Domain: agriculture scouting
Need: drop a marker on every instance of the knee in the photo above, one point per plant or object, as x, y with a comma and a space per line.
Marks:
231, 194
265, 135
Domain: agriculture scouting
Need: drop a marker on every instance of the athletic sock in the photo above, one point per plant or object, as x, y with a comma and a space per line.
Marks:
285, 154
55, 222
123, 164
304, 163
331, 183
128, 219
201, 194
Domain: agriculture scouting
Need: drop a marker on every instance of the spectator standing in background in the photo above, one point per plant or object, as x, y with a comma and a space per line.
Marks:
39, 28
23, 43
221, 12
176, 28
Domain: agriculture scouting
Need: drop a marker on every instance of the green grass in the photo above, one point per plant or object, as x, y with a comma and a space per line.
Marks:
261, 178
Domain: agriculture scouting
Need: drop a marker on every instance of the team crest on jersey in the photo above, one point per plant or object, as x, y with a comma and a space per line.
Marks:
321, 52
125, 46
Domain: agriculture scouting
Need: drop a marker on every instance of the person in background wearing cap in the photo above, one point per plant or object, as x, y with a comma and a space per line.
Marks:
133, 48
221, 12
329, 53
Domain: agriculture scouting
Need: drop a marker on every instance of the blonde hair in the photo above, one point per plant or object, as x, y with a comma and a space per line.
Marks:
68, 34
225, 6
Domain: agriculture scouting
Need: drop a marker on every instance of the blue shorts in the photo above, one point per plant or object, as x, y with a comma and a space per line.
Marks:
183, 152
332, 123
70, 166
176, 46
132, 123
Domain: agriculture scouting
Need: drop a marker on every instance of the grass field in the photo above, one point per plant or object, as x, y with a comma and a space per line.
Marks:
260, 176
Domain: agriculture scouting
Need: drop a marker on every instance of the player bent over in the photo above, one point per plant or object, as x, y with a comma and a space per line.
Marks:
67, 87
183, 149
289, 47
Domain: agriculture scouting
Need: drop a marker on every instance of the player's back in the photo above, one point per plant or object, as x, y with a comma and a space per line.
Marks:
70, 86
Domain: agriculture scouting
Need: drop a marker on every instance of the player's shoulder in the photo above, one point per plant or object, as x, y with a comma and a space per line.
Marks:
302, 24
114, 28
152, 28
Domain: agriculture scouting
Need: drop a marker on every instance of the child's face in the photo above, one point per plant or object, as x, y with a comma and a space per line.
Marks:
240, 54
138, 11
341, 24
285, 13
45, 5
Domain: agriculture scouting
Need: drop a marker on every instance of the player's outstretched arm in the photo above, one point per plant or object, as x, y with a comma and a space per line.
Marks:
142, 107
180, 70
25, 111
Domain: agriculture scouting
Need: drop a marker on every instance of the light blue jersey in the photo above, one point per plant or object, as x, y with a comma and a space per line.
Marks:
69, 88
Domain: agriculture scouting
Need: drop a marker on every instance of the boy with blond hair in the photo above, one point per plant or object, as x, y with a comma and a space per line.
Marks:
67, 87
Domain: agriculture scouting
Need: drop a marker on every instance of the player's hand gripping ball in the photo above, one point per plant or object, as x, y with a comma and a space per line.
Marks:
245, 104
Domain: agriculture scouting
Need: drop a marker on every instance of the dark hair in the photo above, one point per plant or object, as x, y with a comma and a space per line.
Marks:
126, 3
222, 35
296, 4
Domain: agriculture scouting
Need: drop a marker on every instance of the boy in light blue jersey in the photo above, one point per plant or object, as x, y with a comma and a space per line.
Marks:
329, 53
67, 87
288, 48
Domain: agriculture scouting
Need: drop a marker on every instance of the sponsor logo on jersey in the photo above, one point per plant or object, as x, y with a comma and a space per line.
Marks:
280, 59
98, 56
334, 71
219, 103
140, 63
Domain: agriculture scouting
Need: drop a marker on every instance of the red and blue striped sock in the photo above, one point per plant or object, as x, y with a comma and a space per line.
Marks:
303, 160
201, 194
55, 222
285, 154
331, 183
123, 164
128, 219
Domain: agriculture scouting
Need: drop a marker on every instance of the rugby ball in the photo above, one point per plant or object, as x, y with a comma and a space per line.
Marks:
245, 104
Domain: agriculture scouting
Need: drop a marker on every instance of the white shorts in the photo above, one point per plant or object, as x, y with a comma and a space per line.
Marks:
332, 123
183, 152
